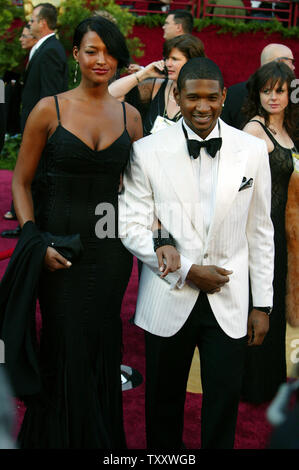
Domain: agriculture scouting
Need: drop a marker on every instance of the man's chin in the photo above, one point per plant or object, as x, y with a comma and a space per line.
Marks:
203, 129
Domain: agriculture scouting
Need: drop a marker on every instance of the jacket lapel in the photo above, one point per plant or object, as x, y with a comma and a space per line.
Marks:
35, 56
177, 165
230, 172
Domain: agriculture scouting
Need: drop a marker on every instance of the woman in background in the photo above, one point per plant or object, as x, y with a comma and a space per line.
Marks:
157, 81
273, 118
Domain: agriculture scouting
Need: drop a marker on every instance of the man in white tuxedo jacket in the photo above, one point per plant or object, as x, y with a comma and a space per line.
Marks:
217, 209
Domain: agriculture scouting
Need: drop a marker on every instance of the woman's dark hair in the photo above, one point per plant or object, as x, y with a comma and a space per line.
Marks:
110, 35
270, 75
190, 46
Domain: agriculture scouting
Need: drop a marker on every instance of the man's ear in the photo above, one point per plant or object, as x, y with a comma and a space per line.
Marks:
177, 95
224, 95
179, 28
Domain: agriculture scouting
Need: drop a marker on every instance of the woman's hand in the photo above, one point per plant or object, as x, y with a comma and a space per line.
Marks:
155, 69
134, 68
168, 254
54, 260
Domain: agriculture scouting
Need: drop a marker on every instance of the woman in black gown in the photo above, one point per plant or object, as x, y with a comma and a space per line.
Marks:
80, 142
272, 118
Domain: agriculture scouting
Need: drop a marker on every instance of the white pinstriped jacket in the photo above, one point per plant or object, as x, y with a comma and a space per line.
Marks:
159, 182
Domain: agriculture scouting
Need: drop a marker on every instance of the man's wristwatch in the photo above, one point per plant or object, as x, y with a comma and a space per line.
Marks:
266, 310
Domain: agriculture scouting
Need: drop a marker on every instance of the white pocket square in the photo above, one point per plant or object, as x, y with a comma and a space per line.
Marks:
246, 183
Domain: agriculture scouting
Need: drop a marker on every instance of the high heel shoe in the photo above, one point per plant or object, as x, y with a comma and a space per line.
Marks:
9, 216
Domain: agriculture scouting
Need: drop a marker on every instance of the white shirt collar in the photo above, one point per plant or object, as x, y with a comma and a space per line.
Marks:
193, 135
39, 43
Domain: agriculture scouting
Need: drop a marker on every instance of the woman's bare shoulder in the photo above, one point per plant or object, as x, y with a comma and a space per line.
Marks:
253, 127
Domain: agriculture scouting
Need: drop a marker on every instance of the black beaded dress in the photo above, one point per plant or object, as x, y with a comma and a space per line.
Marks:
80, 405
265, 367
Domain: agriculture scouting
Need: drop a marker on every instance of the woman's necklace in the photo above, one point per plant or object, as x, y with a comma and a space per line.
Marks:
272, 130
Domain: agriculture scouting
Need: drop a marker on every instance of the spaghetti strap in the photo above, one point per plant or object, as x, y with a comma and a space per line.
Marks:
266, 130
57, 109
125, 114
154, 82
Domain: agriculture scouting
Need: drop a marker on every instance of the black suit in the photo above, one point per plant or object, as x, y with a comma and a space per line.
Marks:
235, 98
2, 125
46, 75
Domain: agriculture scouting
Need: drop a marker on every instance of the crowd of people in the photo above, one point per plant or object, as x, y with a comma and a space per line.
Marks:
197, 194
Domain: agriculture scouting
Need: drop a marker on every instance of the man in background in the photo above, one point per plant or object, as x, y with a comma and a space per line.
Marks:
177, 22
13, 100
46, 73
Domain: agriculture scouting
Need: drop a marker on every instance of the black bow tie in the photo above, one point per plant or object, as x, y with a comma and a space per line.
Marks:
194, 146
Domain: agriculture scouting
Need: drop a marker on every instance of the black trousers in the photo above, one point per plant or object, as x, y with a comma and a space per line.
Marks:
168, 361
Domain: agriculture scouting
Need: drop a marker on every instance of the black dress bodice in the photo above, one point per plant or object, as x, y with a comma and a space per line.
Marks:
76, 180
157, 108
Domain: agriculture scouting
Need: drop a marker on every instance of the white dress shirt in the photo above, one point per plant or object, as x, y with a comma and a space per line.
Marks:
38, 44
205, 169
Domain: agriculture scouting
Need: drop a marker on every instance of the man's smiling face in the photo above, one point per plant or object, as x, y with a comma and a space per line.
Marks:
201, 101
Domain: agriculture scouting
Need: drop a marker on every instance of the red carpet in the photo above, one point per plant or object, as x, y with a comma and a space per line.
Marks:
252, 429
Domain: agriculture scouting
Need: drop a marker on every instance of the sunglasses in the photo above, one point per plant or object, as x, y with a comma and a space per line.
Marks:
286, 58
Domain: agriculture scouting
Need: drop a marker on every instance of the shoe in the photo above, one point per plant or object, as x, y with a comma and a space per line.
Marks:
9, 216
11, 233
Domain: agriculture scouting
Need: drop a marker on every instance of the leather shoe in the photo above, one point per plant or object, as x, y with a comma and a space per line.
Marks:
11, 233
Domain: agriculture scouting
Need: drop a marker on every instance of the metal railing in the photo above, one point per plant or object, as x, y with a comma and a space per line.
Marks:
285, 11
156, 6
282, 10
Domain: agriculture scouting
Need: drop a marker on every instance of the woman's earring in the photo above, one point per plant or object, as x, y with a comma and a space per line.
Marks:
76, 72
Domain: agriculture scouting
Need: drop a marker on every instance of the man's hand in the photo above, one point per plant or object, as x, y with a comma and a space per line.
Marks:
172, 259
54, 260
258, 326
209, 279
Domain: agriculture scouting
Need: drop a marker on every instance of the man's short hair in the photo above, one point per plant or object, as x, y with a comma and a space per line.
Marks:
184, 18
199, 68
48, 12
